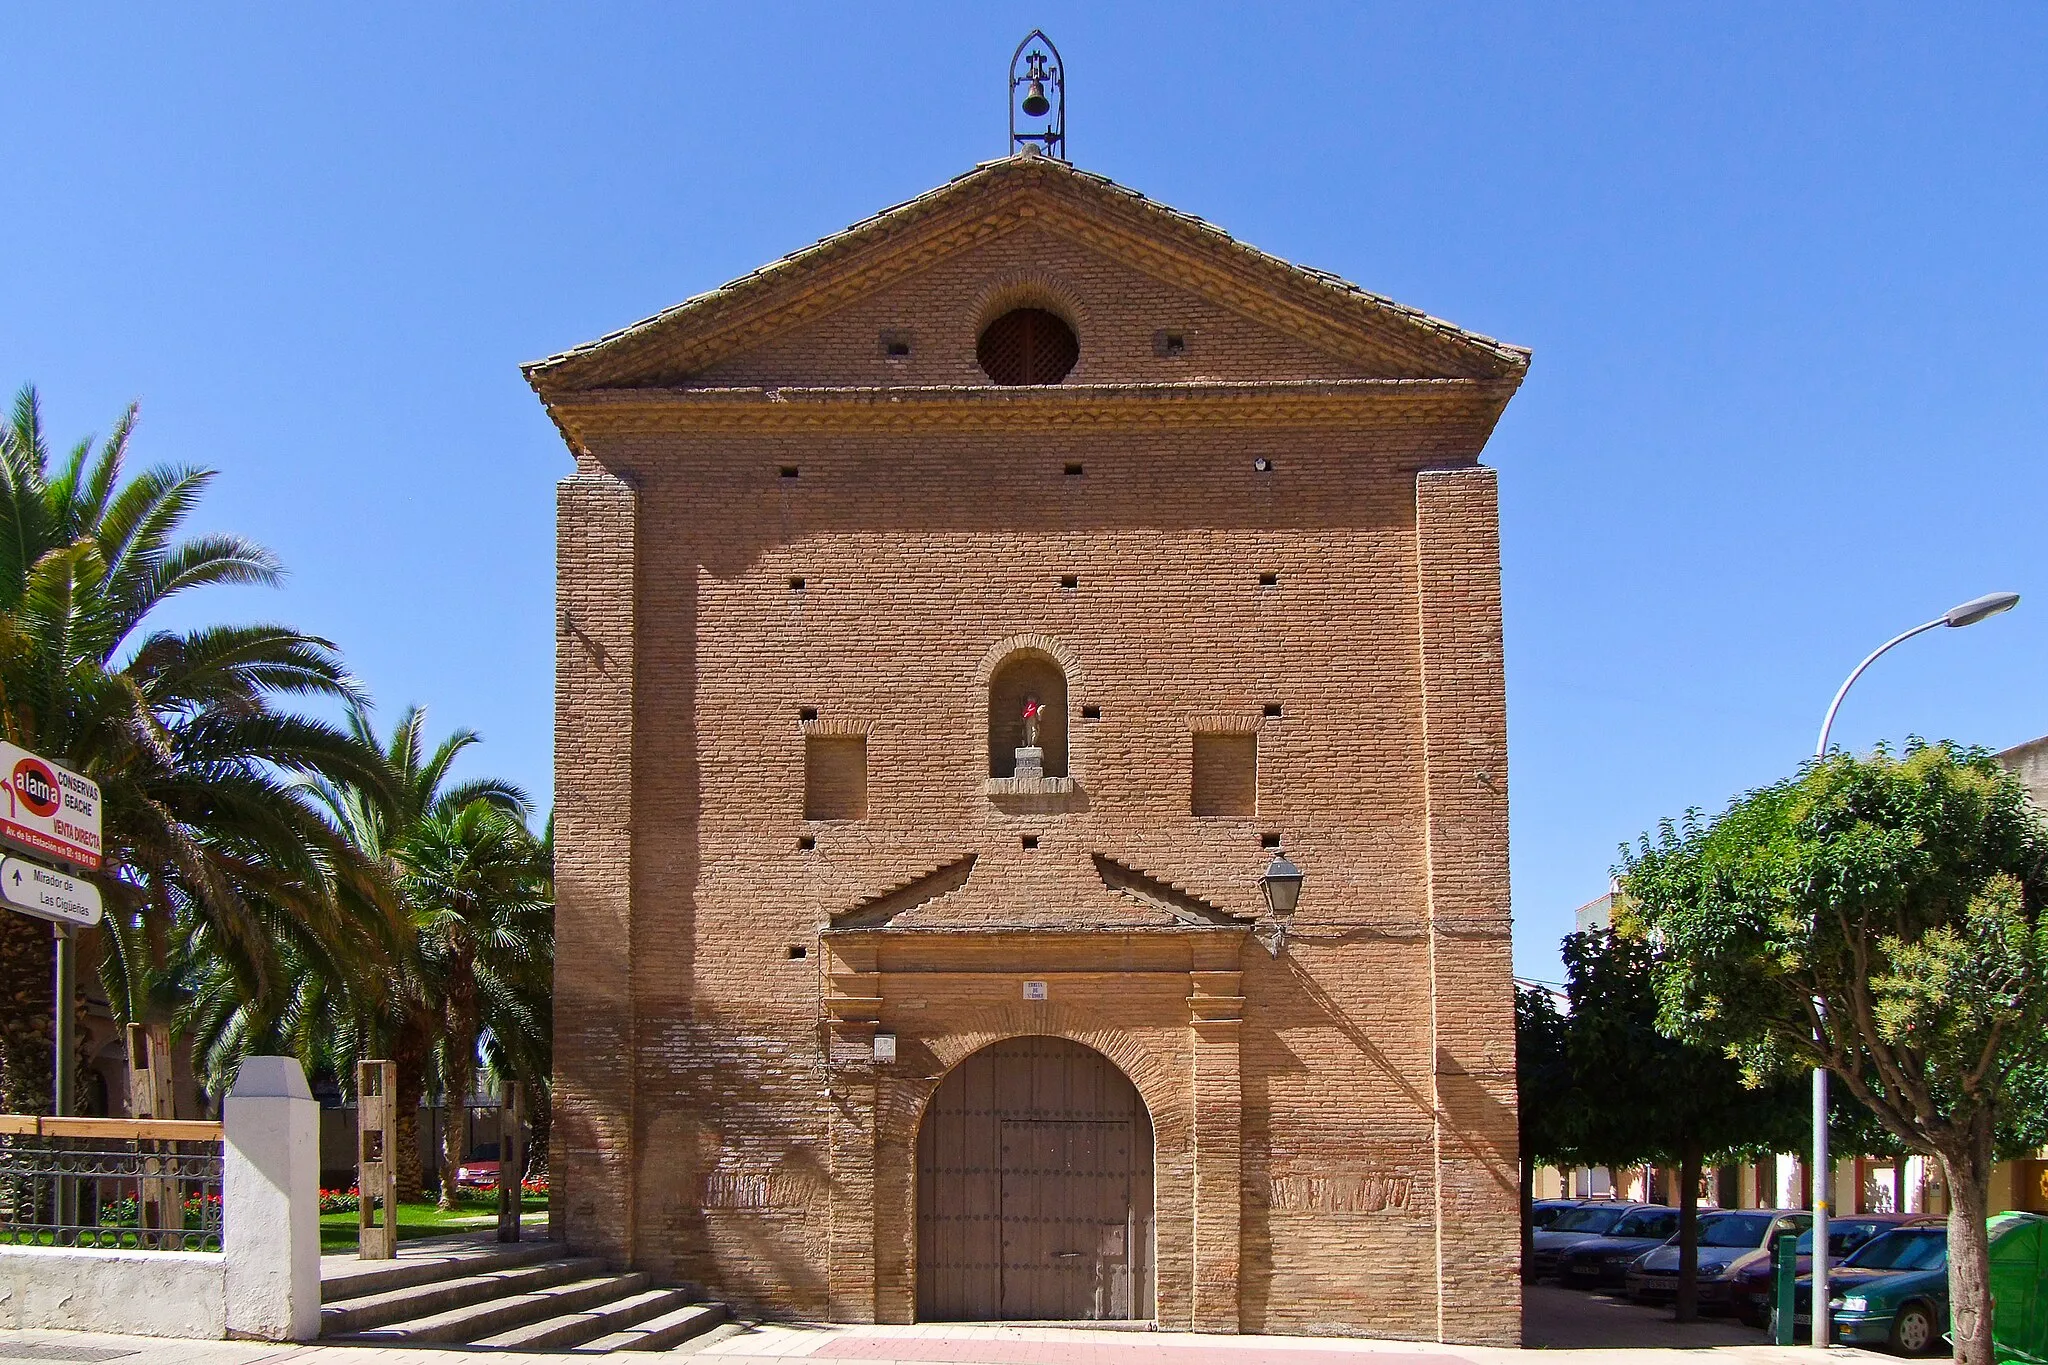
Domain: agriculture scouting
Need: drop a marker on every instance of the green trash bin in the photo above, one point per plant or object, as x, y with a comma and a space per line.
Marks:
1784, 1276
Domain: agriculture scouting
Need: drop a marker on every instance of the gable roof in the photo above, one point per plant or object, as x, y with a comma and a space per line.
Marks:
993, 199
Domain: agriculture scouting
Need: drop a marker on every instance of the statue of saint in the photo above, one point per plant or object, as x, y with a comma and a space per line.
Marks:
1031, 710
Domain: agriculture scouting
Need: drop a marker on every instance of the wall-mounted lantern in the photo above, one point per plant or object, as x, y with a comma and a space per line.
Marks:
1280, 883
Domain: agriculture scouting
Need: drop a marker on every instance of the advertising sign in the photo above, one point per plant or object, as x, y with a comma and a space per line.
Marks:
50, 811
49, 894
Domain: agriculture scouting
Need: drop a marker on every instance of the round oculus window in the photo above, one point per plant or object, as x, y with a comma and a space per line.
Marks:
1028, 346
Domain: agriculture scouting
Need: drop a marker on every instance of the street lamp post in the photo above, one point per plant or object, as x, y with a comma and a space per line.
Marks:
1967, 614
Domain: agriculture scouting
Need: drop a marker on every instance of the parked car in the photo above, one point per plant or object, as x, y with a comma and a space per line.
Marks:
477, 1175
1893, 1292
1730, 1240
1572, 1227
1603, 1262
1544, 1212
1753, 1290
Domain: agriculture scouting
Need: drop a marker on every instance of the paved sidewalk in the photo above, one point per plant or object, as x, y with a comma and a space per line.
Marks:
932, 1345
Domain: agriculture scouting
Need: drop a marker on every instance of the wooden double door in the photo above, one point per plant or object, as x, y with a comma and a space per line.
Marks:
1034, 1189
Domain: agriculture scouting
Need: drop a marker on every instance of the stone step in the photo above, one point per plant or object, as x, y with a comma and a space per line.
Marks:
479, 1320
411, 1268
660, 1333
412, 1302
573, 1329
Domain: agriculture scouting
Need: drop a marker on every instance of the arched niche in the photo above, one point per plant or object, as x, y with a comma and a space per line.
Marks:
1022, 677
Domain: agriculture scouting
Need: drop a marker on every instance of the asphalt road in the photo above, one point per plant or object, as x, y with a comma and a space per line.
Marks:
1556, 1318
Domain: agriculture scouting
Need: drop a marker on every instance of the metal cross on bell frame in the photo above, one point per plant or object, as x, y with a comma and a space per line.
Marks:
1041, 75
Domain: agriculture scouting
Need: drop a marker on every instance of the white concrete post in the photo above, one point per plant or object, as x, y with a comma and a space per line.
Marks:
270, 1197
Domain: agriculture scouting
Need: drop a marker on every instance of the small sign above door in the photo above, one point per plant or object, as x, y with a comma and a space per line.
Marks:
1034, 990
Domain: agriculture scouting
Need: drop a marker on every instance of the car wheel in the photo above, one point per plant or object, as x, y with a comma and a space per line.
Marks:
1913, 1330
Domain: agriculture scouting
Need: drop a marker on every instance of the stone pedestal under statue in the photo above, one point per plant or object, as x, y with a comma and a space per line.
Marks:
1031, 761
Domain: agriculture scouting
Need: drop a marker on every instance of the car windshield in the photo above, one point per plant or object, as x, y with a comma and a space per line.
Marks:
1733, 1230
1658, 1223
1843, 1237
1587, 1220
1904, 1249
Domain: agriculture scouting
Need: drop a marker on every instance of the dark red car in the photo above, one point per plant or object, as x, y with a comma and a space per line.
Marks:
1750, 1293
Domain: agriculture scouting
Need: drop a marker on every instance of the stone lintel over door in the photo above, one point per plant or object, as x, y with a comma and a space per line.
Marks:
1165, 1017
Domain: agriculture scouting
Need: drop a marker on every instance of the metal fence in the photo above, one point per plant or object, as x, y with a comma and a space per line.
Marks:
139, 1184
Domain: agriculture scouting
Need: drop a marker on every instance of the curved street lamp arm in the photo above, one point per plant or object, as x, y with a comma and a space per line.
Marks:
1820, 750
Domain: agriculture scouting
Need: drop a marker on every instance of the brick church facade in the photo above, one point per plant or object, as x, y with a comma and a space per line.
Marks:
867, 1008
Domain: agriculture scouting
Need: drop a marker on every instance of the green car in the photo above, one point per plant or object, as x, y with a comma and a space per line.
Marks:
1893, 1292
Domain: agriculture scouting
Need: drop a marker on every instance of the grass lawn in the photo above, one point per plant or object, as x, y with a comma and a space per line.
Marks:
338, 1230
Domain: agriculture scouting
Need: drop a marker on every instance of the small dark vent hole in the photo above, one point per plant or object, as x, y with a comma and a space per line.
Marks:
796, 585
1170, 343
1031, 841
1091, 713
789, 471
1272, 710
1074, 471
807, 713
896, 345
797, 952
1266, 580
1069, 581
806, 844
1269, 841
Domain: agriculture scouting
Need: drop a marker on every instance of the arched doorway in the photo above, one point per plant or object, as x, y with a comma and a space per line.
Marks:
1034, 1189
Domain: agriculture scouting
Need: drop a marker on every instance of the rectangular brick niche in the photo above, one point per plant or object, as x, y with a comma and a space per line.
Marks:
1226, 773
835, 777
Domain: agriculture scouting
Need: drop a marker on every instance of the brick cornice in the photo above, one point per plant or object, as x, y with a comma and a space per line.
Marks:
1341, 402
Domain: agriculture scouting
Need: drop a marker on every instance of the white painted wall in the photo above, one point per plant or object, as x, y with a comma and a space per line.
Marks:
270, 1200
146, 1293
264, 1283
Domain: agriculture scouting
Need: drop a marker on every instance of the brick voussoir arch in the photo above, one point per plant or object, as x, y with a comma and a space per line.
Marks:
1160, 1080
1029, 642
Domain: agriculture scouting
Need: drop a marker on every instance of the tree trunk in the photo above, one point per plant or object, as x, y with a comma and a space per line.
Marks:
27, 995
1528, 1209
539, 1126
460, 1073
1968, 1173
406, 1134
1687, 1307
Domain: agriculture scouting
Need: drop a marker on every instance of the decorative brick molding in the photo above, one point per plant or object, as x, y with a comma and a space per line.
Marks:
836, 725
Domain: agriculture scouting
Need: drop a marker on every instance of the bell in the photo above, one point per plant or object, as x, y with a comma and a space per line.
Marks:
1036, 105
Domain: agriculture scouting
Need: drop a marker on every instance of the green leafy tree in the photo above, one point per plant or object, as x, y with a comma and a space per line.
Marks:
1881, 917
206, 828
1644, 1097
1543, 1078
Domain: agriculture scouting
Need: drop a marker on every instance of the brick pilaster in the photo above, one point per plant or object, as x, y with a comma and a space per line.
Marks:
1217, 1006
1457, 537
592, 1202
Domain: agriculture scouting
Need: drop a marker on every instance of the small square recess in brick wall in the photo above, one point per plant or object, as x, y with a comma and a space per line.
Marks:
835, 777
1226, 773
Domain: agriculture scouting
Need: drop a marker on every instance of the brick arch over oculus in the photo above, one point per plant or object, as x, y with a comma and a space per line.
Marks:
1026, 678
1035, 1192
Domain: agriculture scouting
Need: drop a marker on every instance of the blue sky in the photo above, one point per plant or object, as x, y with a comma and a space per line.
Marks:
1782, 268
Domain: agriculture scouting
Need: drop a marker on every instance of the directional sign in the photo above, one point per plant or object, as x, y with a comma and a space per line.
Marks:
50, 811
49, 894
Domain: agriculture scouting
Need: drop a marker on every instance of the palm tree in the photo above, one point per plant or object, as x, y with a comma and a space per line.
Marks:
478, 882
397, 1013
207, 829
